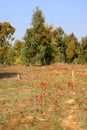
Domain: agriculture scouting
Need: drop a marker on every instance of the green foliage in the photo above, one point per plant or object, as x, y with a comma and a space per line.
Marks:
18, 61
38, 46
57, 125
30, 49
17, 47
38, 20
42, 44
6, 32
71, 47
83, 49
60, 46
10, 56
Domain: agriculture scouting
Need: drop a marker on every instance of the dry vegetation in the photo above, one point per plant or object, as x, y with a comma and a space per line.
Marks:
50, 97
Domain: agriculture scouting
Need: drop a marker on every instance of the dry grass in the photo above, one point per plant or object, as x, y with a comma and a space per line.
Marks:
50, 97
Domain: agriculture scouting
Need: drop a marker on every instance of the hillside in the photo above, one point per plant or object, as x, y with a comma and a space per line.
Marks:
50, 97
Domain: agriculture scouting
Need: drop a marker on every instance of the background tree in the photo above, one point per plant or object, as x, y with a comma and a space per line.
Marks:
60, 47
47, 45
38, 47
83, 50
17, 48
71, 47
6, 32
33, 38
11, 56
31, 49
44, 45
38, 20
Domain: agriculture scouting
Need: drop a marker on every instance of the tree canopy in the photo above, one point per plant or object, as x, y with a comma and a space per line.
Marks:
42, 44
6, 32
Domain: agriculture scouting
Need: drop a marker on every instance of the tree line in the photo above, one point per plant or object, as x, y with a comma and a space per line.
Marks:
41, 45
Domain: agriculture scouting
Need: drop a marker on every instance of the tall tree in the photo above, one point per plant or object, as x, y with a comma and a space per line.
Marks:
71, 47
38, 20
6, 32
83, 49
37, 48
47, 46
58, 34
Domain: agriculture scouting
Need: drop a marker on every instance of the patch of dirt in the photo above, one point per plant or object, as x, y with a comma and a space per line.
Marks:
71, 121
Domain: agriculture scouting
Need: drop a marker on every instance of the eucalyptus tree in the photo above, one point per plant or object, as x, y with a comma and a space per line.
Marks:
6, 32
38, 48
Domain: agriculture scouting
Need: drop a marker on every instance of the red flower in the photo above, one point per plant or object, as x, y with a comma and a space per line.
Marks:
41, 112
16, 100
4, 102
32, 123
43, 85
85, 109
7, 109
70, 84
37, 109
21, 112
80, 103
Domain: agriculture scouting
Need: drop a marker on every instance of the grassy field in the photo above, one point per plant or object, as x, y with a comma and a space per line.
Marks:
50, 97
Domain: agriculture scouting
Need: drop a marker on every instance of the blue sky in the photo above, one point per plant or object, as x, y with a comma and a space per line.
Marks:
71, 15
